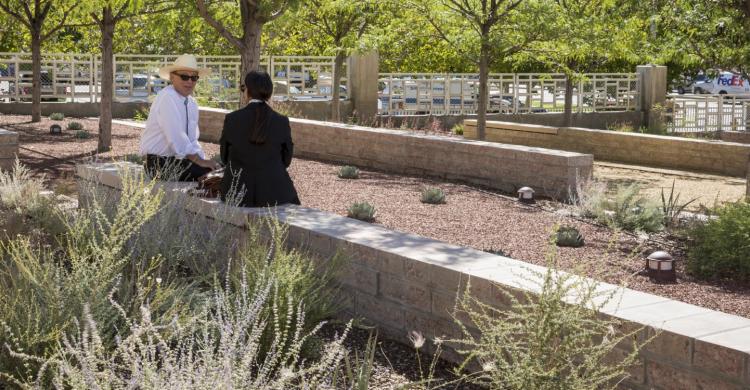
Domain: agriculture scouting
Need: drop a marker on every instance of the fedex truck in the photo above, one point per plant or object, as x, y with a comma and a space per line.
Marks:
724, 83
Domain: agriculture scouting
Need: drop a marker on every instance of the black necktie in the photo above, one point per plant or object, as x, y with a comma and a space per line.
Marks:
186, 119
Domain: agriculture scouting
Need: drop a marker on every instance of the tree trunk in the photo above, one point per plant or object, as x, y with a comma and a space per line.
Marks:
107, 28
36, 69
248, 45
568, 112
250, 50
338, 65
484, 70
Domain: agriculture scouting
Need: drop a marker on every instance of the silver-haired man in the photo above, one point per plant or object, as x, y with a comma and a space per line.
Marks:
170, 140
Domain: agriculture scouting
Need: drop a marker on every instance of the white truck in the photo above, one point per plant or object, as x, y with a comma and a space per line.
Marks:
725, 83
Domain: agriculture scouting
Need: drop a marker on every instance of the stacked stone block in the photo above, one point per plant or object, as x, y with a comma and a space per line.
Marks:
723, 158
403, 282
552, 173
8, 149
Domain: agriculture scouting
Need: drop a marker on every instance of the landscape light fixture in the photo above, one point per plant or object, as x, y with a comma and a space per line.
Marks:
660, 267
55, 130
526, 195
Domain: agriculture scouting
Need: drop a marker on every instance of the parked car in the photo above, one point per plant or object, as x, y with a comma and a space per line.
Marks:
301, 79
283, 92
724, 83
157, 83
503, 103
325, 90
139, 84
8, 70
140, 81
599, 99
219, 84
25, 85
687, 84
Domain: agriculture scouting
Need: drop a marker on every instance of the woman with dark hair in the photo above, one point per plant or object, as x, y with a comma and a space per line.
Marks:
256, 148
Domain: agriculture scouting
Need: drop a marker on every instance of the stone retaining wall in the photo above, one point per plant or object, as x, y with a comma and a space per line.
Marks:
403, 282
742, 137
591, 120
551, 173
76, 110
723, 158
8, 148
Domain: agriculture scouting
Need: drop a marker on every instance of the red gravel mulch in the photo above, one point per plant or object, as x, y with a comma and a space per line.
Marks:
472, 217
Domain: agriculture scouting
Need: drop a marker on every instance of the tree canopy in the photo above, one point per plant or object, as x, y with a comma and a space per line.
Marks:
687, 35
706, 35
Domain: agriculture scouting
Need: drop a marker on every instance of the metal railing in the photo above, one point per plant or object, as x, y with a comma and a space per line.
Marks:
512, 93
63, 76
306, 77
76, 77
707, 113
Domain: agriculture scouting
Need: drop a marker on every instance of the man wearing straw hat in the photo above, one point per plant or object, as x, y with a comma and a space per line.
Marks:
170, 140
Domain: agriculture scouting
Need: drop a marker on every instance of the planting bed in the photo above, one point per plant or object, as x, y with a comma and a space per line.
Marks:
471, 217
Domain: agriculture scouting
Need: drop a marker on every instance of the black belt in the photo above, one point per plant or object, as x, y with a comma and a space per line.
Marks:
158, 156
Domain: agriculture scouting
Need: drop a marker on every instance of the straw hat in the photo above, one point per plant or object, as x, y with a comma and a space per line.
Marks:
183, 62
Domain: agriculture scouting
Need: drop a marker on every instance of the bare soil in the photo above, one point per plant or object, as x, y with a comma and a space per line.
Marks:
472, 216
396, 365
703, 190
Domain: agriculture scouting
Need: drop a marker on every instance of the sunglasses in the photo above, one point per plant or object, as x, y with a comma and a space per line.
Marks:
185, 77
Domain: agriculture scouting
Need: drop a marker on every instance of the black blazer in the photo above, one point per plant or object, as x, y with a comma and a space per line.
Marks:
258, 169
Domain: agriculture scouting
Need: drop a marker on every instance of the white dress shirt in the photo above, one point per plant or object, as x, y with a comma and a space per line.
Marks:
172, 126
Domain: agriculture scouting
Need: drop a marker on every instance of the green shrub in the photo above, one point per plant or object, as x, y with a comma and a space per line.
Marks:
24, 210
625, 127
75, 126
498, 251
627, 210
362, 211
158, 262
632, 212
348, 172
217, 347
299, 278
56, 116
134, 158
19, 190
288, 109
546, 340
191, 242
568, 236
720, 248
140, 115
43, 288
458, 129
589, 198
108, 249
433, 196
359, 369
82, 134
671, 206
